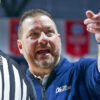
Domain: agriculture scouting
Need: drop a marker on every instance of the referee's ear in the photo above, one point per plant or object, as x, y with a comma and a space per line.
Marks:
19, 44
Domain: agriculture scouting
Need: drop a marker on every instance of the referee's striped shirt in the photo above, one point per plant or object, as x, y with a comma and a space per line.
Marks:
13, 84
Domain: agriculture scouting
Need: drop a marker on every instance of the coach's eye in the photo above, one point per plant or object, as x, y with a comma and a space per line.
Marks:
50, 33
34, 35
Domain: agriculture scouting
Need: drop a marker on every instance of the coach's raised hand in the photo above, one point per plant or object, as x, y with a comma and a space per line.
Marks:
93, 23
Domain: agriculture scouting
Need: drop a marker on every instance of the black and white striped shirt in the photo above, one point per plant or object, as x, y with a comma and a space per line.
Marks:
13, 84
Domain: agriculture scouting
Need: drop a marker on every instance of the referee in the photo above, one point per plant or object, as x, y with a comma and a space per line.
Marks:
13, 84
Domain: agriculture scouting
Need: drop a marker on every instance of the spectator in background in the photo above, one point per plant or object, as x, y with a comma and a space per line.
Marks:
52, 75
13, 85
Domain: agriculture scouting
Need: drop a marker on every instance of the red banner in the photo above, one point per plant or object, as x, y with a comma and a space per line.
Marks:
77, 39
13, 36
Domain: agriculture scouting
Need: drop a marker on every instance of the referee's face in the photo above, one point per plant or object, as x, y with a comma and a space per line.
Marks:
40, 43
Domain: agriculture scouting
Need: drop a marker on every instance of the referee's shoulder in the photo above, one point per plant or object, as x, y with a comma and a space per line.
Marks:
14, 83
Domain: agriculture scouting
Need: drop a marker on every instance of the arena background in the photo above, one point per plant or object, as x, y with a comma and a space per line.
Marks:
68, 15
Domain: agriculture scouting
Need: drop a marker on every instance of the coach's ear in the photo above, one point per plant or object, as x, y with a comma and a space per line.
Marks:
19, 44
59, 35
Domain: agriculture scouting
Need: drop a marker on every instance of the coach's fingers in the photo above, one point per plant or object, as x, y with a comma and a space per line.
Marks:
93, 30
94, 25
89, 21
89, 14
91, 17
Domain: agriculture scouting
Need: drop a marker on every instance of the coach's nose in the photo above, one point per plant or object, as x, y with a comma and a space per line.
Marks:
43, 39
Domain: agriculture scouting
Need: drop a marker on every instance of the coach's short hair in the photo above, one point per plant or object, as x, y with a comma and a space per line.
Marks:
31, 13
